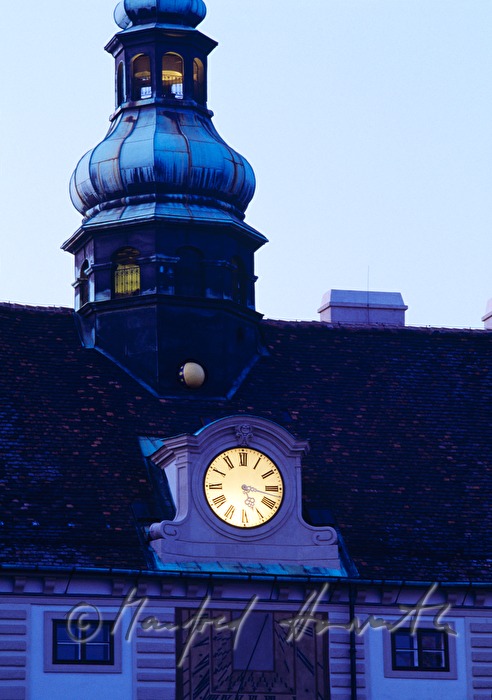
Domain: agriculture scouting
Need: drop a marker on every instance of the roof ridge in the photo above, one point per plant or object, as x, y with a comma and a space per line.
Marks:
280, 323
36, 307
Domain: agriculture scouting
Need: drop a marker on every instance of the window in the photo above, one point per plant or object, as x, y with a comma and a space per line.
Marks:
126, 276
120, 84
94, 644
198, 81
239, 285
141, 78
426, 650
172, 76
428, 654
93, 648
83, 284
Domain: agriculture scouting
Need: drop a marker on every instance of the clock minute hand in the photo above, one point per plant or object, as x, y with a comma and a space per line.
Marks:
248, 489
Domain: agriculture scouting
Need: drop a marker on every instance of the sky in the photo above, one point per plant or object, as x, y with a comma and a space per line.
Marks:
367, 122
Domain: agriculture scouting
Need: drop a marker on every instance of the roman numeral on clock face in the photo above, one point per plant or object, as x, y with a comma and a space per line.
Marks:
230, 512
218, 486
243, 459
219, 501
267, 474
268, 502
228, 461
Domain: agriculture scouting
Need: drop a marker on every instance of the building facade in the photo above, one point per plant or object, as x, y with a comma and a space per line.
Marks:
201, 504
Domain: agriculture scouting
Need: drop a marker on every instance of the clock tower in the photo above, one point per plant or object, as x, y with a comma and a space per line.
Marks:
164, 261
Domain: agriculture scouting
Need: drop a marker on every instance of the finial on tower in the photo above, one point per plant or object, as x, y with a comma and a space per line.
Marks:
187, 13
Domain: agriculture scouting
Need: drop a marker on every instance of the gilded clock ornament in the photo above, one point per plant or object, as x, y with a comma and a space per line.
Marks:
243, 487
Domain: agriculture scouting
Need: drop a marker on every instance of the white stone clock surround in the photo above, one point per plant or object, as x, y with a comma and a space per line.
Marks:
197, 535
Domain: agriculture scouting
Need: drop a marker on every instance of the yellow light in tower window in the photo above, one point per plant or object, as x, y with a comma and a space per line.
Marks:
127, 279
141, 78
172, 76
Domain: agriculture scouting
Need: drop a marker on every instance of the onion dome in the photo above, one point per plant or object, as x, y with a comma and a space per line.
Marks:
178, 12
162, 157
174, 160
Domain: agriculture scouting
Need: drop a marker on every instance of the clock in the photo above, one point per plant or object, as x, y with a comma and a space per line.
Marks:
243, 487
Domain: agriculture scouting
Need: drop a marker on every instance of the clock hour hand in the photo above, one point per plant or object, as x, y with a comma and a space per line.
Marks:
250, 501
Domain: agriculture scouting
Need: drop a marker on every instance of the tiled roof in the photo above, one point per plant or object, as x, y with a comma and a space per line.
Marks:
399, 423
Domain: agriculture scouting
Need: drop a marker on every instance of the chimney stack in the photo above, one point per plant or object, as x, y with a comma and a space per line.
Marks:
487, 319
363, 308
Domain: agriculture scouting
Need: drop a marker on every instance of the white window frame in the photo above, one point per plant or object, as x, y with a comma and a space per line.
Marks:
53, 667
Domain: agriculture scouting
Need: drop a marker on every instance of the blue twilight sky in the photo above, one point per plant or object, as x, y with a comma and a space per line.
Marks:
368, 124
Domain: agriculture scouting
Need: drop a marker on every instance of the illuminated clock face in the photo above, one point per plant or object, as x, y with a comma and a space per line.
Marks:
243, 487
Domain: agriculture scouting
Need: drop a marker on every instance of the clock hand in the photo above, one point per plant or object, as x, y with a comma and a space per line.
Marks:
248, 489
249, 501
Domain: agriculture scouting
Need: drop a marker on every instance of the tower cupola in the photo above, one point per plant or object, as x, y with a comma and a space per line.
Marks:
164, 260
162, 152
